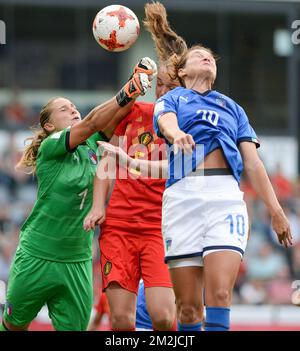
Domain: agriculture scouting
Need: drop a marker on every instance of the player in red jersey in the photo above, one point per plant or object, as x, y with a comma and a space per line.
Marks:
131, 241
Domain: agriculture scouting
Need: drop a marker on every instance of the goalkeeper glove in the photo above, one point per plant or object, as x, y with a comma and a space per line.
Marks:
148, 66
137, 85
139, 82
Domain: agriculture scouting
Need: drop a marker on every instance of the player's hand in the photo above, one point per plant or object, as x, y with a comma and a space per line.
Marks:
137, 85
281, 226
183, 141
93, 218
148, 66
109, 149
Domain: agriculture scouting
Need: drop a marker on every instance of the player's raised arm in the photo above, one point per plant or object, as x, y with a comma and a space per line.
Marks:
100, 116
145, 65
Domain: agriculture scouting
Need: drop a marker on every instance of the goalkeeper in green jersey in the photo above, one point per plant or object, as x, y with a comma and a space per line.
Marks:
53, 261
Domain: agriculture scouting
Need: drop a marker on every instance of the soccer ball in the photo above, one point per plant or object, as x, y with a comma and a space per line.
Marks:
116, 28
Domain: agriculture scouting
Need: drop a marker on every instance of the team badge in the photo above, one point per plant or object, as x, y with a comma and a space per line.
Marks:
220, 101
168, 244
145, 138
93, 157
107, 268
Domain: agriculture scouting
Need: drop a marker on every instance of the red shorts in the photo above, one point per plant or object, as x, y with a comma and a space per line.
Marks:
131, 251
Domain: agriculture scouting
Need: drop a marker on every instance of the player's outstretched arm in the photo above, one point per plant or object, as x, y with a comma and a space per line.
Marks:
151, 169
145, 65
100, 117
261, 183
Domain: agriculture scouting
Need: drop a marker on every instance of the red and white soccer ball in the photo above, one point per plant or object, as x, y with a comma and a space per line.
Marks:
116, 28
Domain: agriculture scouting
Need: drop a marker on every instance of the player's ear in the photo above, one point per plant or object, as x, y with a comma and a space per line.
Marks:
49, 127
181, 73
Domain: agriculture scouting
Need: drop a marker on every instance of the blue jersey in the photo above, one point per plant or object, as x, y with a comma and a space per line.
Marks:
214, 120
143, 319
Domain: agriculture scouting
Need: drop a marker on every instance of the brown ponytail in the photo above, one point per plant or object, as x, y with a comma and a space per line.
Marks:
167, 42
27, 163
171, 49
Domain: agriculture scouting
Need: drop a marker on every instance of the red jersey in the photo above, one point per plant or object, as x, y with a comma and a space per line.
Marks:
136, 198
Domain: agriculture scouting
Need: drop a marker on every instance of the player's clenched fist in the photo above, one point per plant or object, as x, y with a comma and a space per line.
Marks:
137, 85
144, 71
183, 141
148, 66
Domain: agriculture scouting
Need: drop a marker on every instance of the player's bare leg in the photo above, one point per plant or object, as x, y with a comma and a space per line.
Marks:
188, 288
220, 272
122, 304
161, 307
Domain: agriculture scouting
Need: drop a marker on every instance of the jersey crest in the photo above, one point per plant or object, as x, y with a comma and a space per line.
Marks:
221, 101
93, 157
107, 268
145, 138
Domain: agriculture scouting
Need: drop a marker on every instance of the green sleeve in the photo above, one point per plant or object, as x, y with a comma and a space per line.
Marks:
99, 136
56, 145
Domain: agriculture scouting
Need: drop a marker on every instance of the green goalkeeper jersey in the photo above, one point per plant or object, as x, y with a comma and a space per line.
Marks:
54, 229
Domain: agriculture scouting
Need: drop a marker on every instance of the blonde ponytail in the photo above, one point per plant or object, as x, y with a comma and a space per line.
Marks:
27, 163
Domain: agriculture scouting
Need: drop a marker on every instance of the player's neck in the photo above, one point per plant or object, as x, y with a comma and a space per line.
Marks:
199, 84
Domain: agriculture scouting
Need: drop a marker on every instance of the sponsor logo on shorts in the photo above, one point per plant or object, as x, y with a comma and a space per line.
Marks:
145, 138
9, 308
168, 244
107, 268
